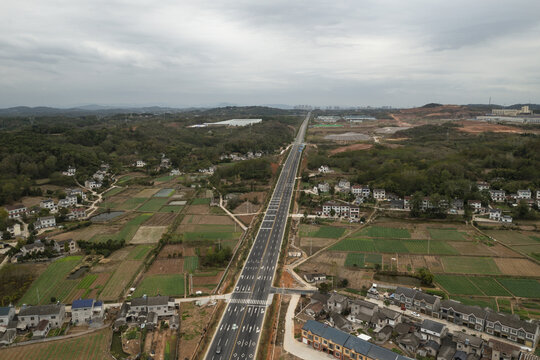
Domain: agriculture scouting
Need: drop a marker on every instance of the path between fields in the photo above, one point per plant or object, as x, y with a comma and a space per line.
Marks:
93, 207
231, 215
56, 338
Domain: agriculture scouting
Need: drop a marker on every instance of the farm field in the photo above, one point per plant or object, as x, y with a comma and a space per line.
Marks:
329, 232
170, 209
511, 237
446, 234
140, 252
163, 193
132, 203
191, 263
529, 288
148, 235
94, 346
112, 192
395, 246
362, 260
386, 232
160, 220
470, 265
471, 285
153, 205
52, 282
482, 302
201, 201
165, 178
127, 232
152, 285
120, 279
489, 286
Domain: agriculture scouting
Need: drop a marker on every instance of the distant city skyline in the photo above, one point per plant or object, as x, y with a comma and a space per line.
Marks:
194, 54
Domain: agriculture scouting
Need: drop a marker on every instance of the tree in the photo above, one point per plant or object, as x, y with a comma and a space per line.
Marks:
425, 276
324, 287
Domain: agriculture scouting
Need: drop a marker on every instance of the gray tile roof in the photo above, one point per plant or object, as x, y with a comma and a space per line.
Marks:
463, 338
464, 309
510, 321
432, 326
405, 291
4, 310
41, 310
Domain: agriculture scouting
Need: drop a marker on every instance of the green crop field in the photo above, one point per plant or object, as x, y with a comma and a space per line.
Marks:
447, 234
365, 245
529, 288
132, 203
390, 246
140, 252
373, 259
329, 232
191, 263
470, 265
211, 235
429, 247
124, 179
164, 178
354, 260
489, 286
52, 283
386, 232
154, 204
459, 285
510, 237
87, 281
200, 201
152, 285
127, 232
170, 208
482, 302
113, 191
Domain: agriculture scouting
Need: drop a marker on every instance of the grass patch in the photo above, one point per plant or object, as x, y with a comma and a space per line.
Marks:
373, 258
52, 283
355, 260
386, 232
504, 306
164, 178
113, 192
154, 204
191, 263
132, 203
365, 245
170, 208
490, 303
446, 234
470, 265
329, 232
140, 252
489, 286
152, 285
528, 288
459, 285
126, 233
201, 201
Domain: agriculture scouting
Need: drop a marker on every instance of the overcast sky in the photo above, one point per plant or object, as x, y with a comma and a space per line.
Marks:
192, 53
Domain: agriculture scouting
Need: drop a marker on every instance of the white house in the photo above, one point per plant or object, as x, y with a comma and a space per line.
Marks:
361, 190
92, 184
482, 185
86, 310
140, 164
506, 219
161, 305
476, 205
76, 192
77, 213
34, 248
497, 195
16, 211
42, 329
524, 194
324, 187
45, 222
495, 214
70, 171
344, 185
47, 204
433, 330
174, 172
15, 229
379, 194
538, 194
323, 169
60, 246
30, 316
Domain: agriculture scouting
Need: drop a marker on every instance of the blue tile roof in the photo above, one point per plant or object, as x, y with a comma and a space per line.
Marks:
82, 303
358, 345
4, 310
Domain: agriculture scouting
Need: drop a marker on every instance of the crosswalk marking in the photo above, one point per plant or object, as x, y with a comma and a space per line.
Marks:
250, 302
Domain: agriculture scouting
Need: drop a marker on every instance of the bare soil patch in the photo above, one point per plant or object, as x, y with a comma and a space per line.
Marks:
87, 233
245, 219
161, 219
194, 321
166, 266
353, 147
476, 127
198, 209
246, 208
434, 264
207, 280
469, 247
259, 195
146, 193
169, 250
148, 235
120, 254
518, 267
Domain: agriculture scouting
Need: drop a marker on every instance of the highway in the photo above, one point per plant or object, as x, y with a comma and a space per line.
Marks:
238, 332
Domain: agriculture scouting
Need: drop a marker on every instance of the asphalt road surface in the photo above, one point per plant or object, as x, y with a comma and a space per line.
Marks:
238, 332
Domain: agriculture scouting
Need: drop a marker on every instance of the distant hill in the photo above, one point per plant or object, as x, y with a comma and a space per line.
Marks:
431, 105
84, 110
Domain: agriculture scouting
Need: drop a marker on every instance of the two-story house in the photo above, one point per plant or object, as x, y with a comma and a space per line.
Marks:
512, 328
34, 248
344, 186
524, 194
45, 222
161, 305
48, 204
482, 185
472, 317
497, 195
77, 213
337, 303
433, 330
379, 194
416, 300
16, 211
362, 311
467, 343
69, 246
495, 214
86, 310
323, 187
6, 315
30, 316
475, 205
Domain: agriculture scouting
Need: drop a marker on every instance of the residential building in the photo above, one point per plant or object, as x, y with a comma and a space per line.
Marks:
482, 185
457, 204
524, 194
495, 214
409, 342
60, 246
161, 305
323, 187
341, 345
323, 169
45, 222
86, 310
337, 302
63, 203
497, 195
41, 330
502, 351
8, 337
16, 211
47, 204
469, 344
30, 316
99, 175
70, 171
340, 322
472, 317
362, 310
77, 213
92, 184
6, 315
379, 194
538, 194
416, 300
140, 164
77, 192
386, 316
310, 278
344, 186
33, 248
175, 172
15, 229
512, 328
339, 209
433, 330
506, 219
407, 202
476, 205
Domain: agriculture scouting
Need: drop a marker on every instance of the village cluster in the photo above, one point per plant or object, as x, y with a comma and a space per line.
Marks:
359, 328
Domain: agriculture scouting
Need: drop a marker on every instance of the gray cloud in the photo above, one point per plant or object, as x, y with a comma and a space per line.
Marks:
181, 53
